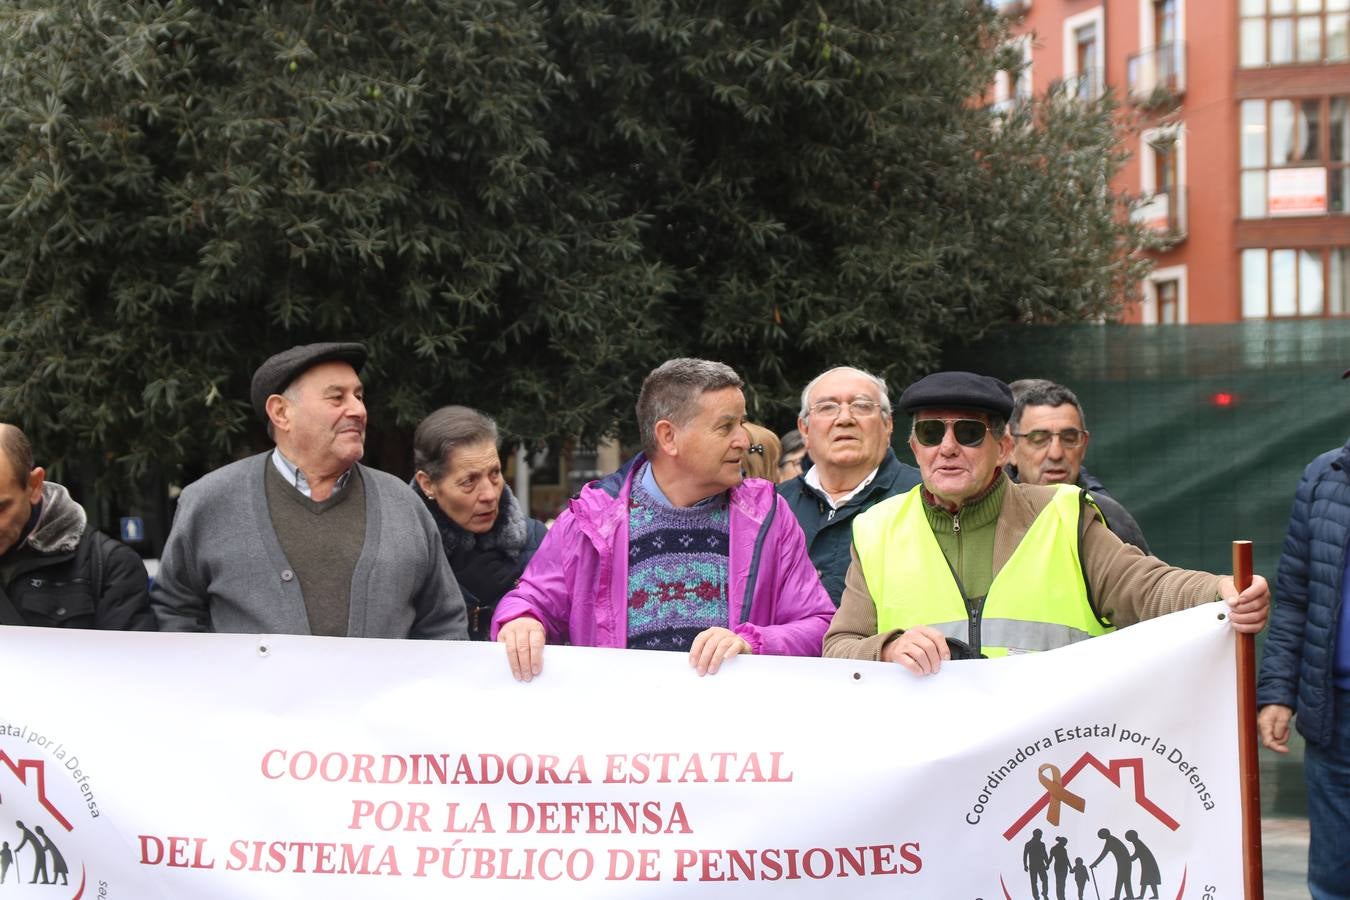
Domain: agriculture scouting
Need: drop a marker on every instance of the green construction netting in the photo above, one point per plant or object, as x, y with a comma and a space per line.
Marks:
1201, 431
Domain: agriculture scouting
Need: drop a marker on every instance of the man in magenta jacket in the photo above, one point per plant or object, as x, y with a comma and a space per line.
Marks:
675, 551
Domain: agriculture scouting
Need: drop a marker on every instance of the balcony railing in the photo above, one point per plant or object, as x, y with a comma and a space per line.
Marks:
1157, 76
1164, 214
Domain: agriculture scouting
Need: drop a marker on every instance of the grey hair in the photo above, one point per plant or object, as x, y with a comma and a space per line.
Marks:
444, 431
1040, 392
672, 391
18, 450
879, 383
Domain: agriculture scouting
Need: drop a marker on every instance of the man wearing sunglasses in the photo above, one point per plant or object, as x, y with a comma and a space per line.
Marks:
973, 562
1049, 443
845, 420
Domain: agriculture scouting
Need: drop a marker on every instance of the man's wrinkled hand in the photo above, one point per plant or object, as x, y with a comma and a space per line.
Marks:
921, 649
1272, 722
1247, 611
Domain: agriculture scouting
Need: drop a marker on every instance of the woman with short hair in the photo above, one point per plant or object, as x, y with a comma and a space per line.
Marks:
488, 537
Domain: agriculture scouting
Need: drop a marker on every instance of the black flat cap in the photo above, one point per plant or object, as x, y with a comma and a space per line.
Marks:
958, 390
275, 375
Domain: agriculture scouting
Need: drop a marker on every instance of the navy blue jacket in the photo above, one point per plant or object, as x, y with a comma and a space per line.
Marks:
1298, 665
829, 532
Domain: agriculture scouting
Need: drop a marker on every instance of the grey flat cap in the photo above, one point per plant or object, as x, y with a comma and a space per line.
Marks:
277, 373
958, 390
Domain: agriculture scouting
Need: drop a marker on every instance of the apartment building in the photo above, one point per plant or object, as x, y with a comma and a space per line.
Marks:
1239, 115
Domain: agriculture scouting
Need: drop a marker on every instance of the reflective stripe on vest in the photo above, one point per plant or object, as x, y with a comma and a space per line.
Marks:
1038, 600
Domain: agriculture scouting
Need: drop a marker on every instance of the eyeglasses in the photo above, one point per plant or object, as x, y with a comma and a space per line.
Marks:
968, 432
1069, 437
860, 408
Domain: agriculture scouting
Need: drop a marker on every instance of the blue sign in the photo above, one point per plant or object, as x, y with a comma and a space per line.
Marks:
133, 529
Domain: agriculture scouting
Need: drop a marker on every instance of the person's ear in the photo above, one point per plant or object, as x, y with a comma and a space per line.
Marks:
279, 412
35, 479
1005, 448
666, 437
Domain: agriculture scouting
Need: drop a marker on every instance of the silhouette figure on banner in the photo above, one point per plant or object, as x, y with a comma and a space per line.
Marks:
1059, 856
1080, 875
1036, 862
1149, 875
1121, 857
6, 859
40, 860
59, 869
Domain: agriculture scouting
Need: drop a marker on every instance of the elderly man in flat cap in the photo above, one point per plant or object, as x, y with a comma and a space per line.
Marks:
970, 564
303, 539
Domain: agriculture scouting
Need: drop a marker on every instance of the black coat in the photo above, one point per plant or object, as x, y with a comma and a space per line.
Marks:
829, 532
64, 576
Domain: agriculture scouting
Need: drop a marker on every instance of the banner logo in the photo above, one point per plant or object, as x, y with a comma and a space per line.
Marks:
45, 796
1087, 822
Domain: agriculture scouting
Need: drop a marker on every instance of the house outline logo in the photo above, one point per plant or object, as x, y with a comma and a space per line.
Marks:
31, 776
1056, 800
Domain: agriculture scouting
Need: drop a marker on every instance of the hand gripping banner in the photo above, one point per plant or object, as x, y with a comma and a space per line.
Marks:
138, 766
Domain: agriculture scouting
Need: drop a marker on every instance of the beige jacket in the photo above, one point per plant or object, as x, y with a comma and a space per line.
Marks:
1126, 585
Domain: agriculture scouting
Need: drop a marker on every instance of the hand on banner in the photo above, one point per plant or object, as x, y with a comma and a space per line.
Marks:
1248, 610
714, 646
921, 649
523, 639
1273, 724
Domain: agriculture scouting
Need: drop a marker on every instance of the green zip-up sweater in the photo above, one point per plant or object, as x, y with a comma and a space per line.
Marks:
967, 537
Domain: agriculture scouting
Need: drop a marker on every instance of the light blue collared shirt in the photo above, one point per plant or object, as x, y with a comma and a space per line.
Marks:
649, 485
291, 472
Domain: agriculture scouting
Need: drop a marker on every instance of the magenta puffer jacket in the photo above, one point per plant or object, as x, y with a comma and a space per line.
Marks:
577, 583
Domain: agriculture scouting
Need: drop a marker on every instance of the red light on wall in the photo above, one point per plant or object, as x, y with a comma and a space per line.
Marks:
1223, 399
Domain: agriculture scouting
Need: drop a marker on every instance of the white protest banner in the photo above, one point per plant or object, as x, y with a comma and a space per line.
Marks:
237, 766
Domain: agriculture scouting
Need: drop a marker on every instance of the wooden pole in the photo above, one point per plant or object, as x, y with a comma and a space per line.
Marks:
1249, 773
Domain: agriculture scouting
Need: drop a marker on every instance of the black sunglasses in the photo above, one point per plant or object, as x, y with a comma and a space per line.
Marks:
968, 432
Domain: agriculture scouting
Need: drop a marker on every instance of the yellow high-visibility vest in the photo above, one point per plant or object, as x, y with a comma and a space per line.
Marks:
1038, 601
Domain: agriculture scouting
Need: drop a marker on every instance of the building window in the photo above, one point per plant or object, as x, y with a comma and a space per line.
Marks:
1012, 85
1165, 297
1164, 22
1168, 297
1295, 157
1295, 283
1162, 182
1293, 32
1084, 53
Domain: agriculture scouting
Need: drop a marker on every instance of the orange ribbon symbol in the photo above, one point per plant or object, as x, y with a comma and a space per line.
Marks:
1054, 786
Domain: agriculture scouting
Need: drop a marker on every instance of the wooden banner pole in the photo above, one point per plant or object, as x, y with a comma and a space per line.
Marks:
1249, 773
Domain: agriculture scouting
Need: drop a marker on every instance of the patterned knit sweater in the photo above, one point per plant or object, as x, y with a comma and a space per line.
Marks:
677, 570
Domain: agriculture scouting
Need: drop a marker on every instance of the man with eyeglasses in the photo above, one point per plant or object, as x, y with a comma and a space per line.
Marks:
971, 564
1049, 443
845, 421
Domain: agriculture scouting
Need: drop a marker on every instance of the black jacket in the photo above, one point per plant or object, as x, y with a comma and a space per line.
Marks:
486, 566
829, 532
64, 576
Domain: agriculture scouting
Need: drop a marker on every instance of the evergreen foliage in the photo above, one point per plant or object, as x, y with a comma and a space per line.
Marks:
519, 205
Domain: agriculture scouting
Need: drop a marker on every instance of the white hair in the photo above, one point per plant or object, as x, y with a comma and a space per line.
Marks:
879, 383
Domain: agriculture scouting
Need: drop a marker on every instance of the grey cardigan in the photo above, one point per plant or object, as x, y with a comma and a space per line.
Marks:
223, 568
